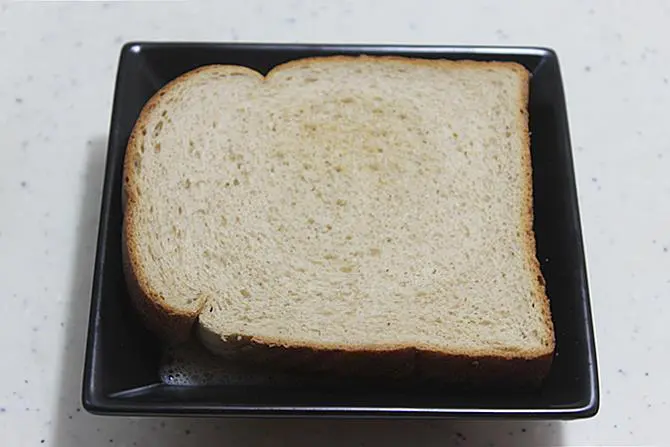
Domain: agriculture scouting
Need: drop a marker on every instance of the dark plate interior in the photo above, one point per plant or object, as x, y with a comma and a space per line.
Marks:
122, 358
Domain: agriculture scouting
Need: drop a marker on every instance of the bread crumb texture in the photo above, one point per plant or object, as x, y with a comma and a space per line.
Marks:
353, 203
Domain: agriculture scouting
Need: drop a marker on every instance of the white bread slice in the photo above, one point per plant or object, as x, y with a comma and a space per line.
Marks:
375, 206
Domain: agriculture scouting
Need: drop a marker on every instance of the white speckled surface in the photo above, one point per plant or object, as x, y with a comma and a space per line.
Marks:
56, 82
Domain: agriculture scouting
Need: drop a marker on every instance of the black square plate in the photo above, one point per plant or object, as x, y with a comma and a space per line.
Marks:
122, 358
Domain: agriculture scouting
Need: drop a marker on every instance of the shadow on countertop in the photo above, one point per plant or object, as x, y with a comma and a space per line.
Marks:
74, 427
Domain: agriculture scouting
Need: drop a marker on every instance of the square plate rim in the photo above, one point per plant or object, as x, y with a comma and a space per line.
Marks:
96, 402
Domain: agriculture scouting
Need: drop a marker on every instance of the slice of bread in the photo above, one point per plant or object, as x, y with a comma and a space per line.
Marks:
347, 211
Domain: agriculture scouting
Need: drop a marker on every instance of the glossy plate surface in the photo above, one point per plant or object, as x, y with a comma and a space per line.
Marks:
122, 358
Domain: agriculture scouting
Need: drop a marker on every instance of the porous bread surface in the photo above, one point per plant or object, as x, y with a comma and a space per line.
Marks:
342, 203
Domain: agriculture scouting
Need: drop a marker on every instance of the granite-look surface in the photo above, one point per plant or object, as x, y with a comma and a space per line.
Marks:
57, 69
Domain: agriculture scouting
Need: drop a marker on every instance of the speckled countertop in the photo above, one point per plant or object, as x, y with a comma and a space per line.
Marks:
58, 63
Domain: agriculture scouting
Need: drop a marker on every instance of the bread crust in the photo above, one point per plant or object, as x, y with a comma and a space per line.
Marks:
169, 323
476, 367
396, 362
527, 217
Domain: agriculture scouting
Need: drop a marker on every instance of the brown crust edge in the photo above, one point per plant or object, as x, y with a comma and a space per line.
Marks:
541, 298
398, 363
170, 324
174, 325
